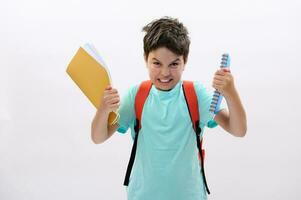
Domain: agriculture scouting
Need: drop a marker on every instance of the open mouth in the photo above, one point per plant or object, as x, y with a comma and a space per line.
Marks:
165, 80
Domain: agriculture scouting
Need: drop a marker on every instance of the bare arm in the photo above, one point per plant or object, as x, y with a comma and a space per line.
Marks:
100, 129
234, 121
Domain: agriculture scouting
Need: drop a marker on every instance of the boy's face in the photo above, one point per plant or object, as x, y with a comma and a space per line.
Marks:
165, 68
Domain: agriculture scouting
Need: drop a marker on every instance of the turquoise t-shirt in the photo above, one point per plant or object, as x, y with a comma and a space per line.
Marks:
166, 164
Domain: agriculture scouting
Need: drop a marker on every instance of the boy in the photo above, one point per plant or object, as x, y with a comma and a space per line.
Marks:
166, 165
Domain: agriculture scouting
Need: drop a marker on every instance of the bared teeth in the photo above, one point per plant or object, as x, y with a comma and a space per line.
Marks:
164, 81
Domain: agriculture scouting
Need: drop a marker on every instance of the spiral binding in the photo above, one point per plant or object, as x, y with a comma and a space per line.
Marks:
217, 97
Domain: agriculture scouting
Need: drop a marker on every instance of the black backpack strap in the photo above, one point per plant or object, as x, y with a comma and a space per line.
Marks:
192, 104
140, 99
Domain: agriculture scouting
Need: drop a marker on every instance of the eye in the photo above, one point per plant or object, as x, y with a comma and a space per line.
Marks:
156, 64
174, 65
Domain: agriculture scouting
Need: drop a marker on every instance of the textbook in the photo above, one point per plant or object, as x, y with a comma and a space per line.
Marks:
89, 72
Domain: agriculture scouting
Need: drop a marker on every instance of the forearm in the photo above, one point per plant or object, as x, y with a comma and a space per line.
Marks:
237, 116
235, 121
99, 128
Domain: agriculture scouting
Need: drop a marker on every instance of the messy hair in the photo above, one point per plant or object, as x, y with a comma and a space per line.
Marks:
166, 32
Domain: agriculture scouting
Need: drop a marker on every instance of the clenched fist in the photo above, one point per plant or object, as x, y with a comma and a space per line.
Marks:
110, 101
223, 82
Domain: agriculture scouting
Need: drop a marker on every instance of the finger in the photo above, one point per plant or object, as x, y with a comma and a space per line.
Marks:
107, 97
219, 82
110, 96
218, 77
117, 104
220, 72
114, 96
106, 92
114, 107
217, 87
113, 100
108, 87
112, 91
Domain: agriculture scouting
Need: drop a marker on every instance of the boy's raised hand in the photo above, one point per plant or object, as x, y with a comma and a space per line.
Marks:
110, 101
223, 81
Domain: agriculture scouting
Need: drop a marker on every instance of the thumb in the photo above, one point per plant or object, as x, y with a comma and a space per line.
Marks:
226, 70
109, 87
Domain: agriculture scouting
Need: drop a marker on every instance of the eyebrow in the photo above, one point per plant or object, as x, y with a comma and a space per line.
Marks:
178, 59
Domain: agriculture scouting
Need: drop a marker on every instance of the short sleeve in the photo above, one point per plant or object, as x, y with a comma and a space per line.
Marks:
204, 100
127, 110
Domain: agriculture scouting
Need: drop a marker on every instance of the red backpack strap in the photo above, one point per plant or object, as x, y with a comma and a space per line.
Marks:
192, 102
140, 99
193, 108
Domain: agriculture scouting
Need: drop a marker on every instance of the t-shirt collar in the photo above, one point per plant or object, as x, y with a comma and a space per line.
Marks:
169, 93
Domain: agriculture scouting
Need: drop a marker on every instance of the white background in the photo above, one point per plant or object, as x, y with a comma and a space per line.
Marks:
45, 147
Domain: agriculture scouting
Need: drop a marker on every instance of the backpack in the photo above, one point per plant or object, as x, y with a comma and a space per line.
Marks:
192, 104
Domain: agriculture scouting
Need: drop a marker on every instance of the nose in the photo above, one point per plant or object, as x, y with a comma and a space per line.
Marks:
165, 71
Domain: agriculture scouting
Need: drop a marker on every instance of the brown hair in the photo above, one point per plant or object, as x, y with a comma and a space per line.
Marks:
166, 32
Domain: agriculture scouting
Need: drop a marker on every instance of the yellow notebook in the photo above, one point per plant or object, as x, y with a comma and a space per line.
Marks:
91, 75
